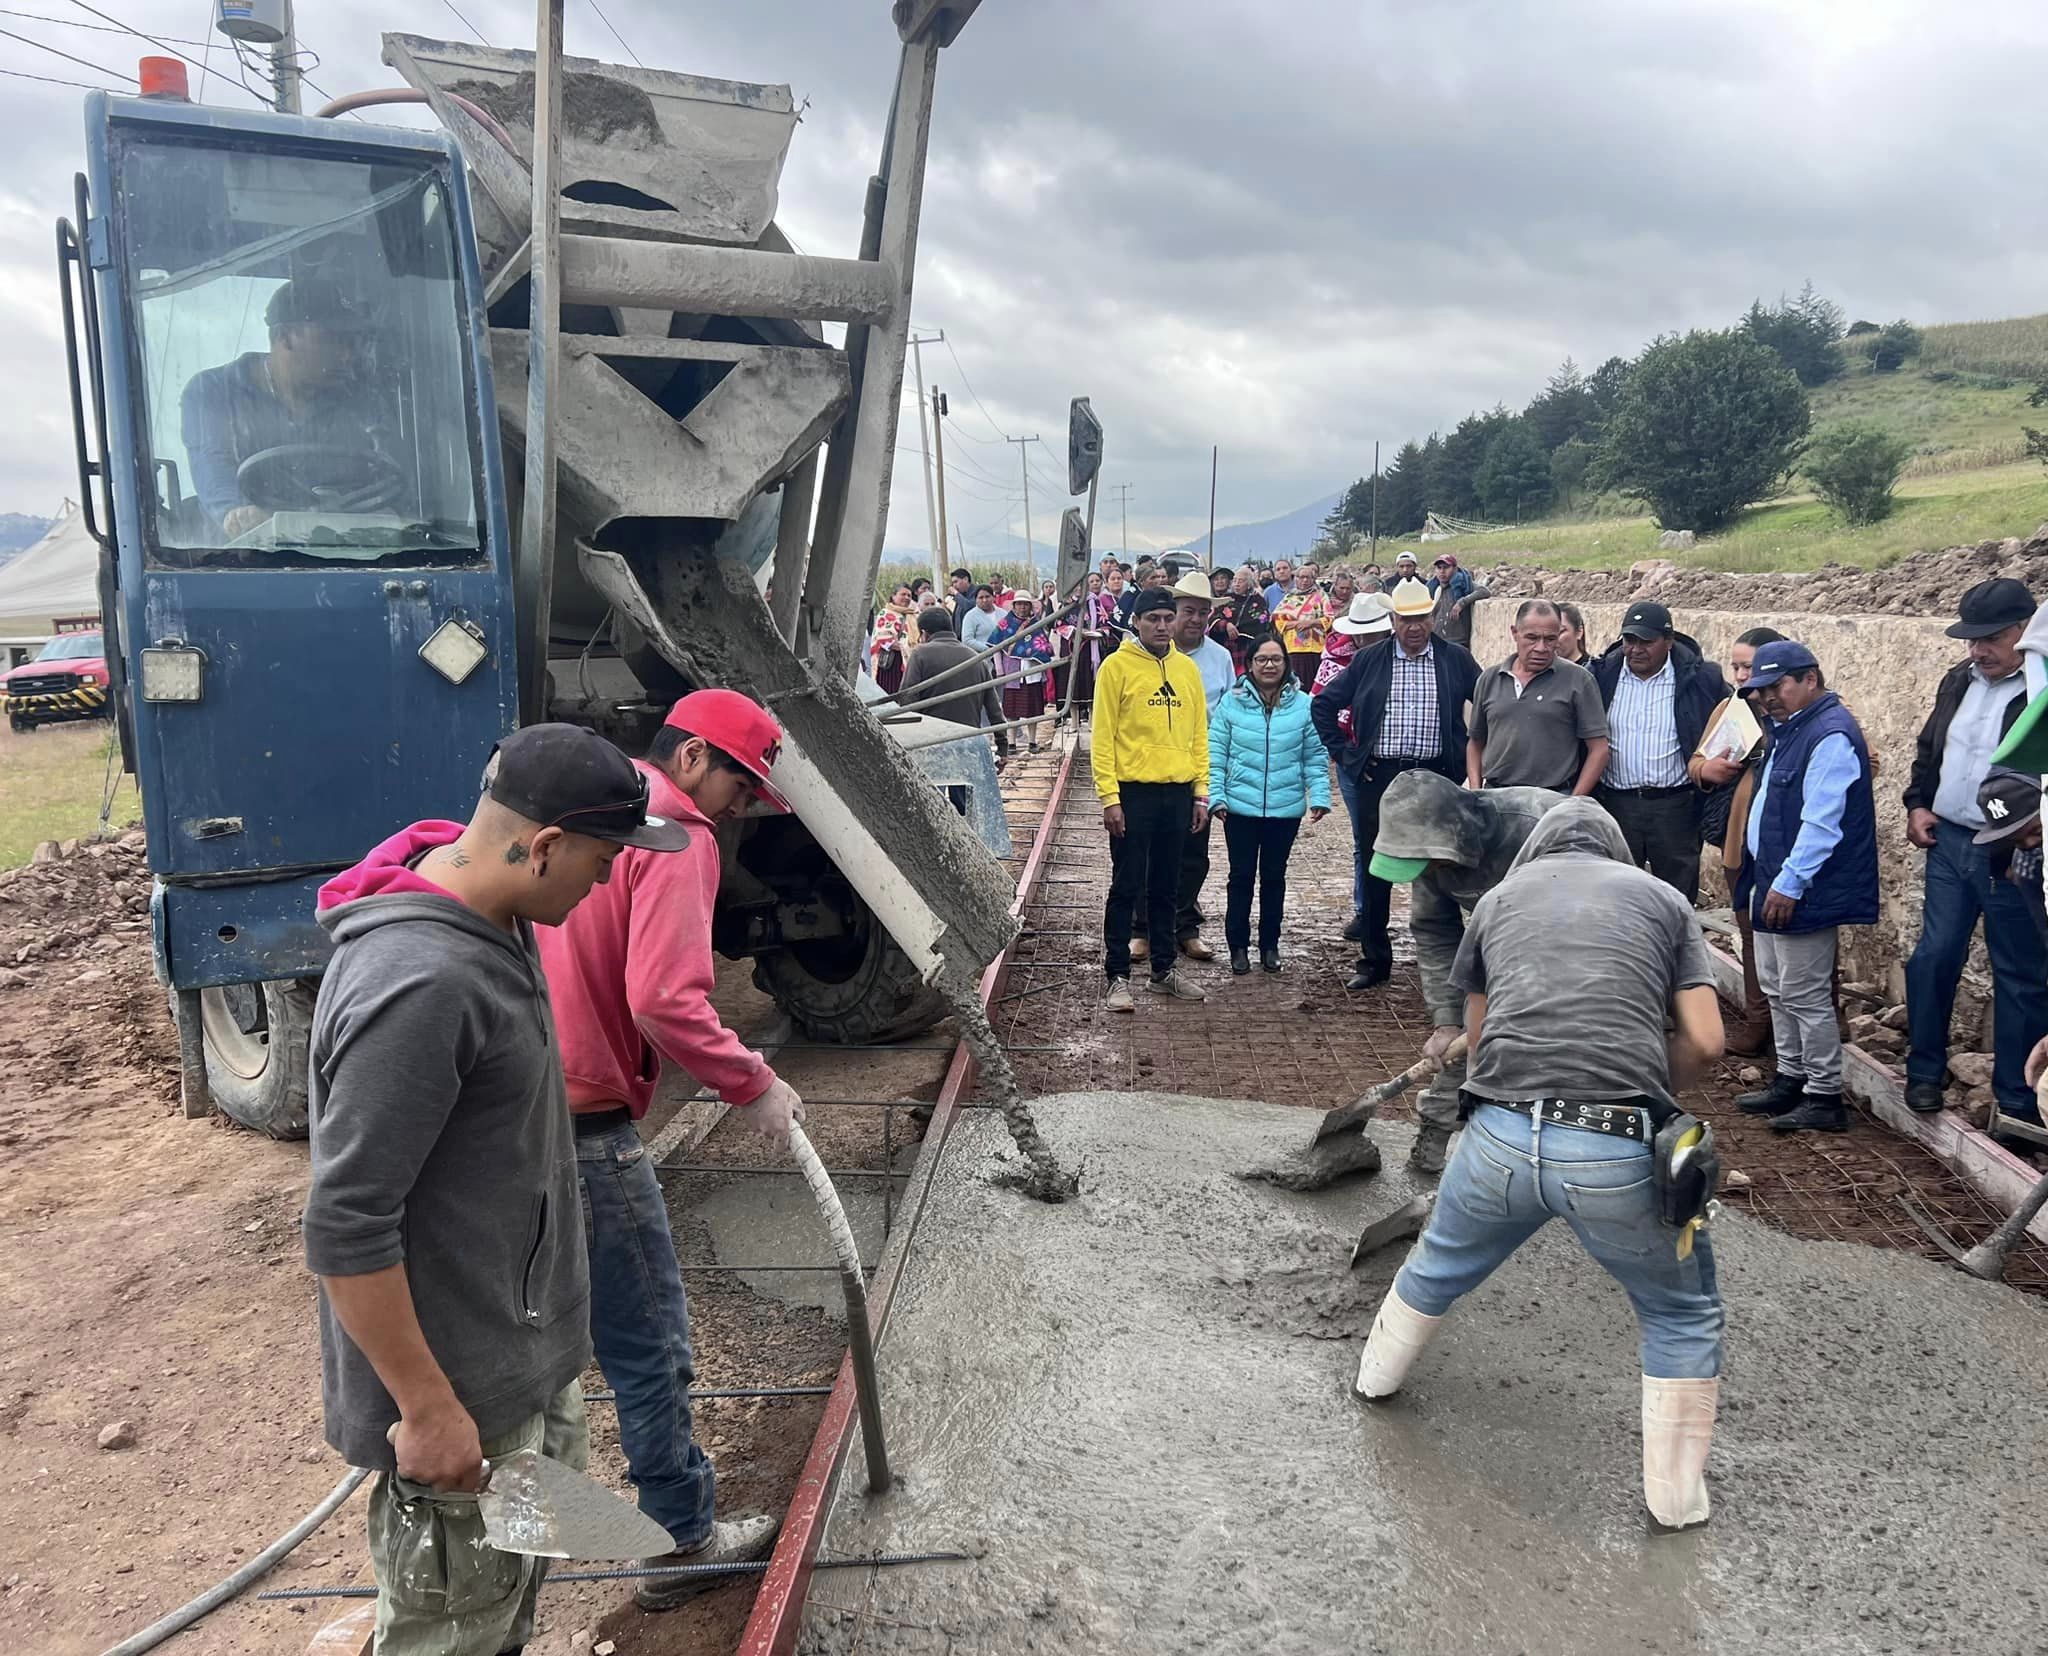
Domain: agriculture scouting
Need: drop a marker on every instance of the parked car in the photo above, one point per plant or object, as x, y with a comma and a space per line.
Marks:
67, 680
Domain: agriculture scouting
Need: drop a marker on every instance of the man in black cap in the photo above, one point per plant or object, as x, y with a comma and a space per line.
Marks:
1809, 867
1659, 691
304, 389
1976, 704
444, 1220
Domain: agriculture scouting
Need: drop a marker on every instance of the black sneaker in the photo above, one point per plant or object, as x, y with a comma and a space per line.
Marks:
1923, 1097
1355, 932
1240, 963
1819, 1113
1781, 1093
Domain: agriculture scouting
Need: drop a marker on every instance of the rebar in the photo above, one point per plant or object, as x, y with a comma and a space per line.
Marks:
699, 1393
755, 1566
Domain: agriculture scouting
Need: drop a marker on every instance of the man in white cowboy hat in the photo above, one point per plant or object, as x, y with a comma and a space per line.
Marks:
1407, 701
1192, 601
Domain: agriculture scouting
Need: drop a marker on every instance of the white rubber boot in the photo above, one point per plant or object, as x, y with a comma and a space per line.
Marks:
1678, 1428
1398, 1335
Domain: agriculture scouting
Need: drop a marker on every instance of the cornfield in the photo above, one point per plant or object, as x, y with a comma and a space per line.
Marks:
2016, 349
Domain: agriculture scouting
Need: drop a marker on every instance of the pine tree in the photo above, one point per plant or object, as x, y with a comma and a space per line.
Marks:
1513, 480
1564, 411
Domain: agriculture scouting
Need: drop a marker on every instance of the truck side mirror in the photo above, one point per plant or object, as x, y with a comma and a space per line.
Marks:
1084, 446
1073, 568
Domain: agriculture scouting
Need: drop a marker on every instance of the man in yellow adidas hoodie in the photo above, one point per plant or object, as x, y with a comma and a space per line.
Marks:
1150, 748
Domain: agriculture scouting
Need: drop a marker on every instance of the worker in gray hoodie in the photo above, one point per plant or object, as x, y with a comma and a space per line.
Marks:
444, 1219
1450, 846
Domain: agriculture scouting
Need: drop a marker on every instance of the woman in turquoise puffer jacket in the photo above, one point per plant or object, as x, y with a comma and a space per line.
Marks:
1266, 767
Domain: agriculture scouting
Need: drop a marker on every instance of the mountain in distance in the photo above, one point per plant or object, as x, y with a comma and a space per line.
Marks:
19, 531
1289, 535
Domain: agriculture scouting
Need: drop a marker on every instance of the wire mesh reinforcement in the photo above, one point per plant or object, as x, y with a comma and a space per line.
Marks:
673, 1572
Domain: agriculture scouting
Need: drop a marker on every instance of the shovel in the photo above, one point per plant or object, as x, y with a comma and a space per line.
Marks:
1364, 1108
534, 1504
1987, 1259
1322, 1164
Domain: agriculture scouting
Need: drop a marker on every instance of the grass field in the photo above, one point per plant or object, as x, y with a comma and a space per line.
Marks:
2015, 349
51, 782
1953, 425
1797, 532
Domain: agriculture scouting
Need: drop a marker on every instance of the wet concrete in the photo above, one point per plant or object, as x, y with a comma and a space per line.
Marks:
755, 1219
1135, 1410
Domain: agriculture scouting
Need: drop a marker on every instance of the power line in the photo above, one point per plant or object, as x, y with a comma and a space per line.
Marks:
465, 22
130, 28
621, 39
83, 63
978, 403
52, 80
97, 28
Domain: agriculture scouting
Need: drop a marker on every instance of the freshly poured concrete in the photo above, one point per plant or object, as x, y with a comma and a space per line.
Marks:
1135, 1409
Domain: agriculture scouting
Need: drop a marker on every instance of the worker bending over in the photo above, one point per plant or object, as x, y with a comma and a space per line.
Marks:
443, 1219
1572, 1116
631, 975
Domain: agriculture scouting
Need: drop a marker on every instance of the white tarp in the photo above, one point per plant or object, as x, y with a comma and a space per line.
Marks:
55, 579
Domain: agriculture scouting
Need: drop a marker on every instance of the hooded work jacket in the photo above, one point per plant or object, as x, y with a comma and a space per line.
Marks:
1470, 840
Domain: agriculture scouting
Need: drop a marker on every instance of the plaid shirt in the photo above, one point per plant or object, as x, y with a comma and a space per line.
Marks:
1413, 727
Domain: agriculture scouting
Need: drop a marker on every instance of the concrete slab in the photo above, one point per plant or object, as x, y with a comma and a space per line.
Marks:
1135, 1410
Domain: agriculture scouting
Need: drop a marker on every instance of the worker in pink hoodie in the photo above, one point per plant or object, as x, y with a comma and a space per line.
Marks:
630, 973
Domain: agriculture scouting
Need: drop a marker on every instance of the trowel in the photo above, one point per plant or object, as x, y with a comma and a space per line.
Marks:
534, 1504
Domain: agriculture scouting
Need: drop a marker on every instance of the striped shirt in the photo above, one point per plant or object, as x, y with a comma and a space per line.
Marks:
1413, 726
1642, 725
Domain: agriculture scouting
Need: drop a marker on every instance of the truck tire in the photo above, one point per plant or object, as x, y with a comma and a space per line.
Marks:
258, 1037
857, 991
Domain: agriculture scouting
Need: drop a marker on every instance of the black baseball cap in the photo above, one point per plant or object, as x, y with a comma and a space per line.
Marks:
1992, 606
563, 776
1646, 621
2010, 800
1153, 598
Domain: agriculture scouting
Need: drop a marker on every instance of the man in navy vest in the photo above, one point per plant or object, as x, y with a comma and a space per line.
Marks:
1809, 867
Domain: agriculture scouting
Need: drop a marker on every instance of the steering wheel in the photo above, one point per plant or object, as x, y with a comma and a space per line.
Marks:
307, 477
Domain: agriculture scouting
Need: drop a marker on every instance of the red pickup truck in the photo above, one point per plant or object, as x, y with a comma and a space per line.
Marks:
67, 680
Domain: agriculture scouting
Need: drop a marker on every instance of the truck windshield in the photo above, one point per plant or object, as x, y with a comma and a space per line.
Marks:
72, 647
304, 359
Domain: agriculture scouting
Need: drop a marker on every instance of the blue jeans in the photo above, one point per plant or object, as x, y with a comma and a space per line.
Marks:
1512, 1174
640, 1325
1959, 889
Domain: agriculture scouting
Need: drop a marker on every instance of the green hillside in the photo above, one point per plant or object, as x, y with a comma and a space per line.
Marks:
1961, 402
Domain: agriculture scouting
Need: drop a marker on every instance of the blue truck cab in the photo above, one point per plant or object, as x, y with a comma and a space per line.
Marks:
306, 564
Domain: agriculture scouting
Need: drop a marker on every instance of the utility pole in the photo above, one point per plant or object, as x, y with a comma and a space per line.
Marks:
1123, 494
284, 65
1212, 505
1024, 461
939, 449
1375, 502
936, 541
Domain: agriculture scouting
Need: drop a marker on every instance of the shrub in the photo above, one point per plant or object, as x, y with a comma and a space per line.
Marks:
1707, 423
1853, 466
1889, 349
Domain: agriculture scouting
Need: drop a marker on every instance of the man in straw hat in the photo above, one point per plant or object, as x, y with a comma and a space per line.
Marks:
1406, 697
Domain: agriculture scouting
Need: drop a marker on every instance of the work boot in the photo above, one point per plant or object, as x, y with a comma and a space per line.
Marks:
1177, 987
1781, 1093
1678, 1428
1432, 1148
1195, 949
1240, 963
1355, 932
1141, 949
1818, 1113
1119, 997
1398, 1335
1370, 975
1923, 1097
731, 1541
1269, 960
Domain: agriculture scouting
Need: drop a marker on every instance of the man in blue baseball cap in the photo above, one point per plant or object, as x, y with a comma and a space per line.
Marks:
1809, 867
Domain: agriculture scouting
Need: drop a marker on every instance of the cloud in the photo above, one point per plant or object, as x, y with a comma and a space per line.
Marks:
1286, 231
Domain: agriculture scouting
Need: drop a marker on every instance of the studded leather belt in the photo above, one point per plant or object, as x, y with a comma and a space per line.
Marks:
1617, 1118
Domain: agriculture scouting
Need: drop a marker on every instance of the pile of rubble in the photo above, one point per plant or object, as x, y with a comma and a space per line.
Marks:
1927, 583
75, 968
1879, 1028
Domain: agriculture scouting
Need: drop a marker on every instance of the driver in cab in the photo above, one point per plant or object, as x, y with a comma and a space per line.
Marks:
301, 391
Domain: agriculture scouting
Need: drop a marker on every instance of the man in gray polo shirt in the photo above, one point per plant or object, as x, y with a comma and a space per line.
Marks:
1537, 722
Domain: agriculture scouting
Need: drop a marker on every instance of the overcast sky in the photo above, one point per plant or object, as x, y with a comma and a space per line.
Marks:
1285, 228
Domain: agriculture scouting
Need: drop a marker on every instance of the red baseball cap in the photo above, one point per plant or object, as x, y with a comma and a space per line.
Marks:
737, 725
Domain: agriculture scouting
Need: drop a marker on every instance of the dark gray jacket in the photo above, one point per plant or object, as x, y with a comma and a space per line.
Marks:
441, 1141
1471, 840
967, 698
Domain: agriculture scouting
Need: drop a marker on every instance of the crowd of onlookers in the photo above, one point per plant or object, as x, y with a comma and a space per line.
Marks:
1241, 693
